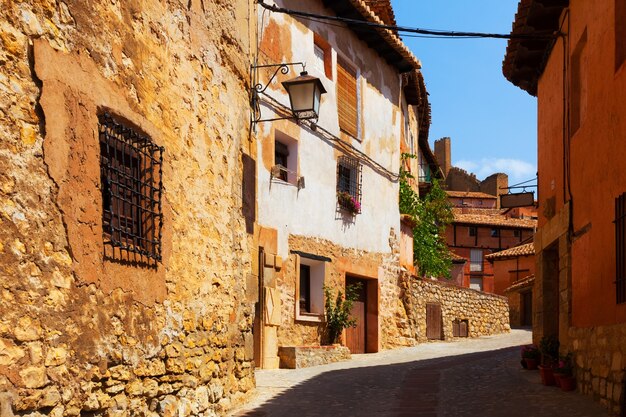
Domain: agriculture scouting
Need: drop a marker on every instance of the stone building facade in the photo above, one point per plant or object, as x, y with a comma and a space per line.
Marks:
311, 237
123, 246
579, 78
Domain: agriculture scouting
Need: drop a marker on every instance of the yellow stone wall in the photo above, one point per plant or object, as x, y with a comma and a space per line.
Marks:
79, 333
599, 355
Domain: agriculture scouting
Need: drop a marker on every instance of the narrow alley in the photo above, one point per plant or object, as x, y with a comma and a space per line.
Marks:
466, 378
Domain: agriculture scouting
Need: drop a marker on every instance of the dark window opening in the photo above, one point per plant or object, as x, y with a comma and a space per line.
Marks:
349, 173
281, 154
495, 232
472, 231
516, 233
620, 33
130, 181
305, 289
620, 249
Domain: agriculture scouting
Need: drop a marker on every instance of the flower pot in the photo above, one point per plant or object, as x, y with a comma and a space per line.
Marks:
567, 383
547, 376
557, 378
531, 363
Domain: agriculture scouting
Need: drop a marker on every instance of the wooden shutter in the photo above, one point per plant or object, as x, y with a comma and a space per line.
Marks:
347, 100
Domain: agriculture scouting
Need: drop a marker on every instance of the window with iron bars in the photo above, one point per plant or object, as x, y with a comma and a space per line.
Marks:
349, 177
620, 249
131, 184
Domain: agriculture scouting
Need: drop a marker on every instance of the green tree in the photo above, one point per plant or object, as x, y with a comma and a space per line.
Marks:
431, 215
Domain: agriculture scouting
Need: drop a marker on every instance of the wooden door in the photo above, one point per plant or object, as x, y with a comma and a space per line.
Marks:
527, 308
356, 337
434, 328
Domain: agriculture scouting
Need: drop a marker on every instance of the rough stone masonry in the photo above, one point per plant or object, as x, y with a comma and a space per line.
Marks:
80, 333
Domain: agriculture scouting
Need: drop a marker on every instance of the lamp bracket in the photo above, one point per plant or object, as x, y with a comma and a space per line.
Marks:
282, 68
259, 88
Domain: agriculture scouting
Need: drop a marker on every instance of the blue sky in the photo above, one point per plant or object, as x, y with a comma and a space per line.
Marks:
491, 122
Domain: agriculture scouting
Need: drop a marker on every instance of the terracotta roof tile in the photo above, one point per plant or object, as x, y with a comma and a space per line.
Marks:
392, 39
521, 250
470, 194
457, 258
522, 283
493, 220
383, 10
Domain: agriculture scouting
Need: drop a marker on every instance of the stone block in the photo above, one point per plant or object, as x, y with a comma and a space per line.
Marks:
34, 377
10, 353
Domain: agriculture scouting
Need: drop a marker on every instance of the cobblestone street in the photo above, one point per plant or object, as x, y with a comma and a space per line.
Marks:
475, 377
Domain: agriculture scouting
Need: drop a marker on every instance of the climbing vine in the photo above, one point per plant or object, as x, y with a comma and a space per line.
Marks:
431, 215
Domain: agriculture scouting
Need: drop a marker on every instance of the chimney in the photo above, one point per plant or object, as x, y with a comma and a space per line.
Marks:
443, 154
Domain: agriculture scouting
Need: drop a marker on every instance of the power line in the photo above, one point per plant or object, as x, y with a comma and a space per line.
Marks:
429, 32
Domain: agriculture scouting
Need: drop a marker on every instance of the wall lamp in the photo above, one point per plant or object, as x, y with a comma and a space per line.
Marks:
304, 91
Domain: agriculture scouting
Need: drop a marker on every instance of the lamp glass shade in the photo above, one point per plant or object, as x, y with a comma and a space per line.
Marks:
304, 95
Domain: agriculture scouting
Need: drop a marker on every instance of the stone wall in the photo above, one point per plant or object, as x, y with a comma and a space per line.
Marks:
486, 314
81, 334
599, 355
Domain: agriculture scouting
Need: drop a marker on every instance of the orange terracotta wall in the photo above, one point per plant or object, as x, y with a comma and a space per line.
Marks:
461, 243
507, 271
597, 152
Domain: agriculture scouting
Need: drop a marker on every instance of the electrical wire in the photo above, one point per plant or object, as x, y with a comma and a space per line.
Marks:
419, 31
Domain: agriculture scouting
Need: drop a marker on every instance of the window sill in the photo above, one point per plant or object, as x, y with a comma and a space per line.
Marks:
310, 317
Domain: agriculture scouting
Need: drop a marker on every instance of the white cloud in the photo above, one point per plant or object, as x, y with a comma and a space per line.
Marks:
516, 169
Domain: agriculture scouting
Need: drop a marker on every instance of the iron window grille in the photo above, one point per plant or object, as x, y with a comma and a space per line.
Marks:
349, 184
620, 249
131, 184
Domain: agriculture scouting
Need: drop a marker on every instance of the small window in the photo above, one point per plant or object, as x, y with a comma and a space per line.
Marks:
516, 233
281, 155
347, 99
495, 232
285, 158
310, 287
349, 172
472, 230
323, 56
476, 260
305, 289
476, 283
130, 181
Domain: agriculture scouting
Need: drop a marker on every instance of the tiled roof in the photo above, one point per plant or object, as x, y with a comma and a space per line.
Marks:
457, 258
478, 210
525, 59
522, 283
493, 220
383, 10
470, 194
521, 250
384, 41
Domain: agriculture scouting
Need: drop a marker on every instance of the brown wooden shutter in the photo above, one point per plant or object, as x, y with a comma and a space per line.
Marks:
347, 100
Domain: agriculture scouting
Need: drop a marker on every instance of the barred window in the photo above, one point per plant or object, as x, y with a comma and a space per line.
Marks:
349, 173
130, 180
620, 249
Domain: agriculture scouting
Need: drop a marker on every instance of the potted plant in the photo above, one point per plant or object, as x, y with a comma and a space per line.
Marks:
549, 347
563, 373
530, 357
338, 311
348, 202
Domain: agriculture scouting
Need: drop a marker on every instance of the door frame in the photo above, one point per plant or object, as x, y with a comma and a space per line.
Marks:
372, 294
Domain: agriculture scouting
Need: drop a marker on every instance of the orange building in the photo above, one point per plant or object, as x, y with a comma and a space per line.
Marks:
576, 68
476, 232
513, 276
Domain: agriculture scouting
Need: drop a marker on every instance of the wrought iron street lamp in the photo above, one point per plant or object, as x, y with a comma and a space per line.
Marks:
304, 91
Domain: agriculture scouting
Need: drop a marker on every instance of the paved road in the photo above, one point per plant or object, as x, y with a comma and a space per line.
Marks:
474, 377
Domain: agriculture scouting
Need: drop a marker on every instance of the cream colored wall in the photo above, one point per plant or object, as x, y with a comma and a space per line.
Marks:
313, 211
